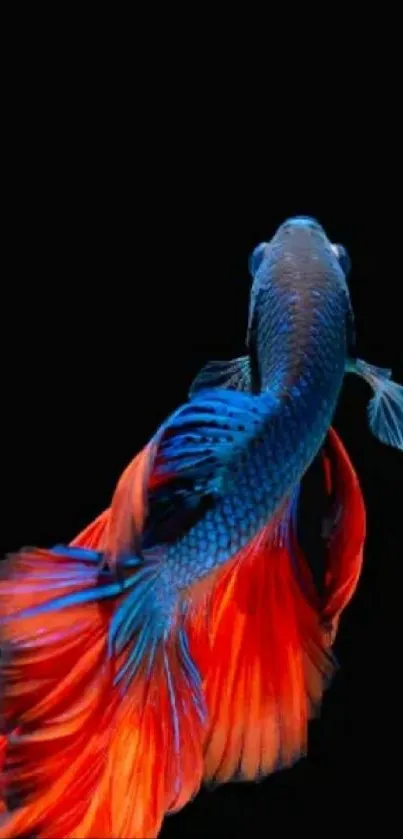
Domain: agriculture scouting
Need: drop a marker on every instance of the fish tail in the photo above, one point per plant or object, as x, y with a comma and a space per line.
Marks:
102, 707
271, 633
345, 535
267, 665
385, 409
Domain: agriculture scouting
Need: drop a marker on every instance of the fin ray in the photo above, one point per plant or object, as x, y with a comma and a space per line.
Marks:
205, 435
265, 636
75, 710
385, 409
233, 375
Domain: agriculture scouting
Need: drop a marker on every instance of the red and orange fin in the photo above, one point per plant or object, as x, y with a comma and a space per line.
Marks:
266, 665
346, 536
270, 658
94, 756
99, 679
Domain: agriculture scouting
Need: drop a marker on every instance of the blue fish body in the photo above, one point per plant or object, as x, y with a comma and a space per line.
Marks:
298, 342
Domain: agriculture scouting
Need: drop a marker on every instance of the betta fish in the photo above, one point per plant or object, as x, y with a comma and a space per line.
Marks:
181, 639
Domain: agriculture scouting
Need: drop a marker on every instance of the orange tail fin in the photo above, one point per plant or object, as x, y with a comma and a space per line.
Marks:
93, 756
270, 658
267, 664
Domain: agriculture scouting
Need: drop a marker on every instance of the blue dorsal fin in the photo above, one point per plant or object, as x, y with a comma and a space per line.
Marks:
229, 375
205, 437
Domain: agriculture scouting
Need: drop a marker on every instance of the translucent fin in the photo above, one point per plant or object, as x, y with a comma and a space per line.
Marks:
385, 410
232, 375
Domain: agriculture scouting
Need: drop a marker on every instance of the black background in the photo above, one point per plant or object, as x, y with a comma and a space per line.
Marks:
128, 252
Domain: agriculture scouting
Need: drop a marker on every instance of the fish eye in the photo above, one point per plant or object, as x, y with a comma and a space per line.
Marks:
256, 258
343, 258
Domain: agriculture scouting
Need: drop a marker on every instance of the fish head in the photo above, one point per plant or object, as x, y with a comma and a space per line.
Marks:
293, 234
299, 256
297, 236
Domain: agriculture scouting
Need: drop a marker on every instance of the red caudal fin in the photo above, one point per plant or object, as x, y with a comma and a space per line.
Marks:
345, 533
101, 702
271, 634
267, 665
